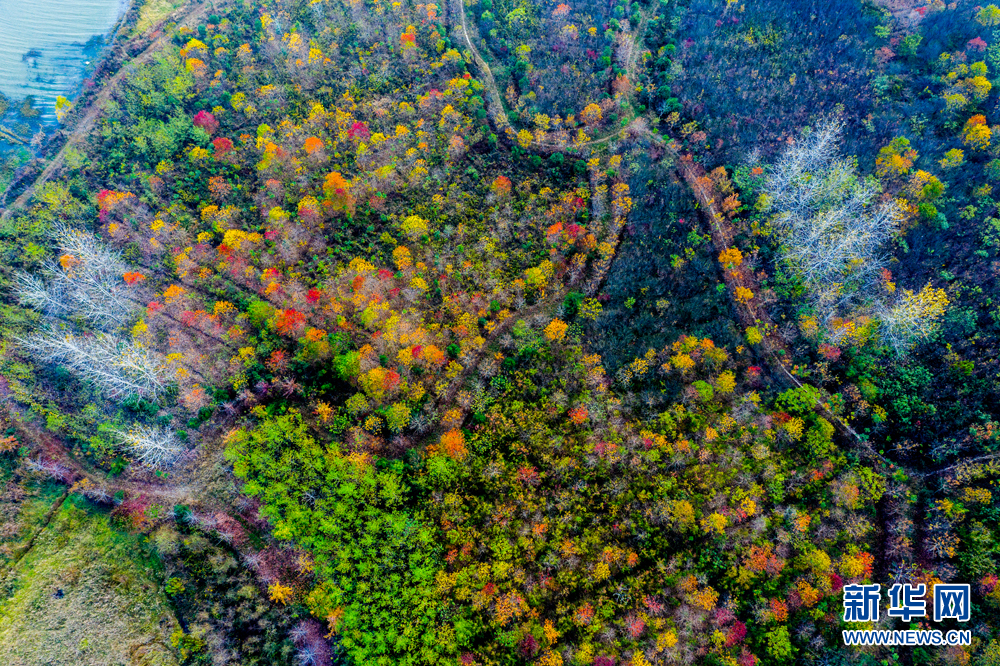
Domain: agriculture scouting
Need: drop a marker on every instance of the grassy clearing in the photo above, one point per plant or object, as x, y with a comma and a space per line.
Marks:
86, 594
152, 12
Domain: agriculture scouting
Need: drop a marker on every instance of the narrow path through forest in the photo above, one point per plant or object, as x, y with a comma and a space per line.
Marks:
750, 313
777, 354
499, 115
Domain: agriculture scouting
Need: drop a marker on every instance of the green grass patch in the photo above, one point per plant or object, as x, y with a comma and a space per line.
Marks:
153, 12
86, 594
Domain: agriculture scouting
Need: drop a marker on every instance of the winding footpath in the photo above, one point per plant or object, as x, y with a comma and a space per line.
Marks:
750, 313
499, 115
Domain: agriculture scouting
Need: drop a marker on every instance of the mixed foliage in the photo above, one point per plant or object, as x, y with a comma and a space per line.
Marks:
497, 333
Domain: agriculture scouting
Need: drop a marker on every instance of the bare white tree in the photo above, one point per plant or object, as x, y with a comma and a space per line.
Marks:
119, 366
152, 446
834, 235
53, 468
89, 282
832, 230
32, 291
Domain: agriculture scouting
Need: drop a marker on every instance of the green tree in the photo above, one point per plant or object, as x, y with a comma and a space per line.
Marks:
779, 646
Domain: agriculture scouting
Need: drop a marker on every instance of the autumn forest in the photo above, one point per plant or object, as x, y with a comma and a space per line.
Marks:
502, 332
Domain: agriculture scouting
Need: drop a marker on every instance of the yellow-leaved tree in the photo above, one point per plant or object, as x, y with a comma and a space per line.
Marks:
913, 317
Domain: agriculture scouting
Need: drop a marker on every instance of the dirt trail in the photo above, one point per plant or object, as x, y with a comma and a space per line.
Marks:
501, 122
751, 311
59, 462
499, 115
86, 123
776, 352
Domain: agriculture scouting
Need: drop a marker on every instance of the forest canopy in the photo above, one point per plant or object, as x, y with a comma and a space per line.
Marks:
505, 333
